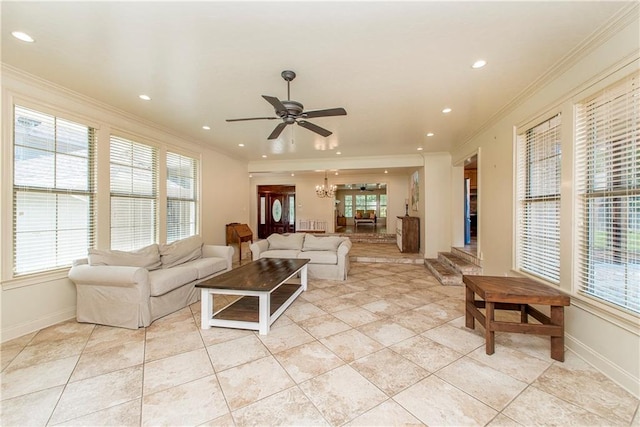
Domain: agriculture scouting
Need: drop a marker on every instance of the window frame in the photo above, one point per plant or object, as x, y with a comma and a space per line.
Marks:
195, 192
12, 189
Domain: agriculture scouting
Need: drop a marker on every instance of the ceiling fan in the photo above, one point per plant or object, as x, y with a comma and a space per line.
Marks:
293, 112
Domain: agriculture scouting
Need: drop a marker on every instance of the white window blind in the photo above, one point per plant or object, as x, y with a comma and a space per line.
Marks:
538, 209
182, 196
607, 177
133, 172
53, 191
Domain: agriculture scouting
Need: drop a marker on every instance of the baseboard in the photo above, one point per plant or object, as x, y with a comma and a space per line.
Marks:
618, 375
37, 324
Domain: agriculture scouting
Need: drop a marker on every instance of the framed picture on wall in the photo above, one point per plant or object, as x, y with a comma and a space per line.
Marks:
415, 191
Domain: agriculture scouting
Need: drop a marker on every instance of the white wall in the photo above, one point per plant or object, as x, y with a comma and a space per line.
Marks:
437, 191
603, 336
37, 301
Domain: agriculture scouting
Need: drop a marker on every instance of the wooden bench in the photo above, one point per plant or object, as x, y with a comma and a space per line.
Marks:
515, 293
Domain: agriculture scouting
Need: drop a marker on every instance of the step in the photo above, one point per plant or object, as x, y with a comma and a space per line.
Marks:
459, 264
444, 273
465, 255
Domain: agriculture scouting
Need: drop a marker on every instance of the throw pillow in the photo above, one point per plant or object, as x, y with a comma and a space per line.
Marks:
329, 243
358, 215
181, 251
372, 215
286, 241
147, 257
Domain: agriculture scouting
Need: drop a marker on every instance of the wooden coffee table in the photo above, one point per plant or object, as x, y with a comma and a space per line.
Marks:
516, 293
266, 288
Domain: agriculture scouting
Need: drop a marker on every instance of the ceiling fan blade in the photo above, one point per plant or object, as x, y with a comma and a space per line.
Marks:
280, 108
314, 128
325, 113
277, 131
252, 118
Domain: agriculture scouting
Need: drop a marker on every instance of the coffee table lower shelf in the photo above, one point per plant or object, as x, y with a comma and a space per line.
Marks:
246, 308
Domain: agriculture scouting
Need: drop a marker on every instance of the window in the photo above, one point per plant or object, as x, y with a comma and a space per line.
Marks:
538, 209
361, 202
133, 194
383, 206
348, 206
372, 202
182, 197
53, 191
607, 177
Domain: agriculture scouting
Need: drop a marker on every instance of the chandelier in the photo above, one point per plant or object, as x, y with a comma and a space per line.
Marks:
325, 190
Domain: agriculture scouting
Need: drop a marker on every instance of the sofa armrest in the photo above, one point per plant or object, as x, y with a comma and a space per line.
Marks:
219, 251
105, 275
258, 247
344, 248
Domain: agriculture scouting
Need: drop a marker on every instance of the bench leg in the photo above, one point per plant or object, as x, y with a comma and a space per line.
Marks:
469, 320
490, 335
557, 343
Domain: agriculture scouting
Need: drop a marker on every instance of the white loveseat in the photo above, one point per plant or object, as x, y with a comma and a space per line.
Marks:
132, 289
328, 255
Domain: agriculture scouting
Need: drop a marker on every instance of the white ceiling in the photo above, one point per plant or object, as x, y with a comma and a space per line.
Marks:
392, 65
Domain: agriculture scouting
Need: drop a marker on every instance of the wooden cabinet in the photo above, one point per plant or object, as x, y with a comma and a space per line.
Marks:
341, 221
472, 175
408, 234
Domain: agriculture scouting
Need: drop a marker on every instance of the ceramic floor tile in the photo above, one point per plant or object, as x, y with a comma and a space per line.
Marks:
457, 339
125, 414
324, 326
236, 352
514, 363
439, 312
342, 394
181, 321
388, 413
386, 332
191, 403
175, 370
359, 298
333, 304
532, 345
48, 350
502, 420
383, 308
10, 349
32, 409
168, 345
65, 331
583, 386
389, 371
437, 403
303, 311
535, 407
223, 421
426, 353
356, 316
248, 383
287, 408
482, 382
415, 321
86, 396
20, 381
105, 337
351, 345
284, 338
217, 335
308, 360
96, 363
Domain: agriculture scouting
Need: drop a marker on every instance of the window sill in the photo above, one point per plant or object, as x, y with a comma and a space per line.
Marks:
35, 279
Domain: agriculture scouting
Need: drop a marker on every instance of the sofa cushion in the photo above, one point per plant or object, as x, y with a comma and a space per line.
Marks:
207, 266
319, 257
181, 251
289, 241
329, 243
147, 257
168, 279
280, 253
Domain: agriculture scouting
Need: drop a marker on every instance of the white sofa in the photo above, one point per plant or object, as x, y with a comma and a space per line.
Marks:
328, 255
132, 289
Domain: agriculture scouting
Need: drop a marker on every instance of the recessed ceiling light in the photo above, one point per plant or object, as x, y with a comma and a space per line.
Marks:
430, 134
240, 145
22, 36
205, 127
386, 171
419, 148
264, 156
479, 63
145, 97
446, 110
250, 176
337, 173
293, 174
338, 153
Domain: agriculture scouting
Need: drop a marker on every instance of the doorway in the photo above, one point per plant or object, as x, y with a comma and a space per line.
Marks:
276, 210
471, 204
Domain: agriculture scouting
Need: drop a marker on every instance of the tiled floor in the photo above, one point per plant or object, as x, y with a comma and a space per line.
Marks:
386, 347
